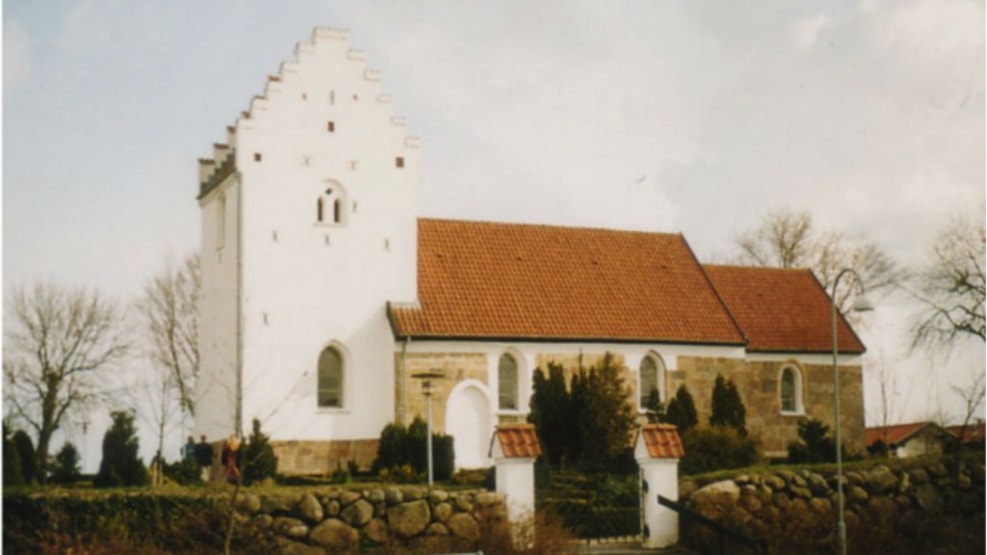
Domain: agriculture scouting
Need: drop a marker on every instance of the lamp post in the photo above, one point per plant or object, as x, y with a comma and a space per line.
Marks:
860, 304
426, 378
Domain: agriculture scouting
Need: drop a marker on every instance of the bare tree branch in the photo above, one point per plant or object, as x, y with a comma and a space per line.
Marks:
59, 343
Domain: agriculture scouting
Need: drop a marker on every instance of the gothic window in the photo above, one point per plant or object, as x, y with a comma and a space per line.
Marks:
330, 388
791, 390
507, 383
651, 378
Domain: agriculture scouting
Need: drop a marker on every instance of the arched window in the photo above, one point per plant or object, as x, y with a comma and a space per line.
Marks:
507, 383
651, 378
791, 390
331, 378
330, 206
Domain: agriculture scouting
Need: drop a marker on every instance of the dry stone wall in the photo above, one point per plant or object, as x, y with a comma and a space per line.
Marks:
319, 521
762, 504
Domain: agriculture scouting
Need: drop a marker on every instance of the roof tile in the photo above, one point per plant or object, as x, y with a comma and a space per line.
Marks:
662, 441
517, 441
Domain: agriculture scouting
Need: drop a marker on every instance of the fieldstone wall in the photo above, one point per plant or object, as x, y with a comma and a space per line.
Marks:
321, 457
456, 367
763, 503
319, 522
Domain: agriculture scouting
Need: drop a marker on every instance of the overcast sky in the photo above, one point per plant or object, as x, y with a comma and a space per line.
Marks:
688, 116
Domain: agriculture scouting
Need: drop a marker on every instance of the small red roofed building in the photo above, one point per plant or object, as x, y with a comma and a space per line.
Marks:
657, 450
514, 448
908, 440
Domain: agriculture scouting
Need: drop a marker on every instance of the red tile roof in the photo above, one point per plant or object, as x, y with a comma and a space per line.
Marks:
974, 432
662, 441
782, 310
896, 434
516, 441
513, 281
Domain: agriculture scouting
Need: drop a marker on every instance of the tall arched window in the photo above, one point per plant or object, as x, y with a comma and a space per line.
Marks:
651, 378
330, 206
507, 383
330, 378
791, 390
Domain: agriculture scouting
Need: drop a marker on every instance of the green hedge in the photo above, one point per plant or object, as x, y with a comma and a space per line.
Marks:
593, 506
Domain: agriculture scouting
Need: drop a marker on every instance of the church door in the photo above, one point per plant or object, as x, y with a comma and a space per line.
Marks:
469, 421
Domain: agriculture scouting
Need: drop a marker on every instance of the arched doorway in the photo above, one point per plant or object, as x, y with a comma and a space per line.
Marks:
469, 421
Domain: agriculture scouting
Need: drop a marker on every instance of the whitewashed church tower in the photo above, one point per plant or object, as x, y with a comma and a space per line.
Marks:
308, 229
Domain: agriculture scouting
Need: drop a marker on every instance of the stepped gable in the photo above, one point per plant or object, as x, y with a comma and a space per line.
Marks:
537, 282
782, 310
326, 59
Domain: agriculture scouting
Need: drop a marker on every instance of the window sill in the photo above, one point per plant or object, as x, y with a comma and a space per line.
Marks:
332, 410
511, 412
793, 413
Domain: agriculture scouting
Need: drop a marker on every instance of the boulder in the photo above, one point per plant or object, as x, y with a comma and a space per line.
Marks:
375, 496
918, 476
290, 527
298, 548
437, 496
880, 479
724, 492
487, 498
775, 482
335, 535
464, 526
274, 504
977, 473
414, 493
856, 494
927, 497
686, 489
881, 509
332, 508
393, 496
347, 497
463, 503
436, 529
409, 519
751, 503
310, 508
799, 491
442, 512
904, 482
358, 514
376, 531
248, 503
263, 521
819, 505
854, 478
817, 484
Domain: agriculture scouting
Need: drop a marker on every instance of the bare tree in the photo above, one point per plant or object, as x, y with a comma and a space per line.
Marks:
59, 345
787, 239
951, 288
169, 307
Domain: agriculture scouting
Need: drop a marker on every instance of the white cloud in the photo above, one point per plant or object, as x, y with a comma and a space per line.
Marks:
16, 55
805, 33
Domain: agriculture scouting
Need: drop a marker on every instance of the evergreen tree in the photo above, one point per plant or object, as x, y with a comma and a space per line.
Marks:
12, 473
66, 468
120, 465
29, 461
815, 445
654, 407
606, 419
728, 409
549, 411
259, 460
682, 410
391, 449
578, 400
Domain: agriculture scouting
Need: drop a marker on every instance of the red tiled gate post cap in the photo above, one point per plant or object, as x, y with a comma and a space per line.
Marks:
661, 441
515, 441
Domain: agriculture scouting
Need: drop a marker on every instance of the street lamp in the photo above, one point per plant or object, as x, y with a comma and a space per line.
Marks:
426, 378
860, 304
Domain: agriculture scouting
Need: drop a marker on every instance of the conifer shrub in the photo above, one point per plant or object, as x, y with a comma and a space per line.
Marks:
120, 465
183, 472
29, 461
681, 410
66, 468
728, 409
12, 473
815, 443
400, 446
258, 459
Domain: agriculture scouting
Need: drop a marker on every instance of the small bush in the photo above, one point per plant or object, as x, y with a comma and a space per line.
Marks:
341, 475
183, 472
400, 446
66, 468
259, 460
681, 410
815, 444
716, 448
120, 465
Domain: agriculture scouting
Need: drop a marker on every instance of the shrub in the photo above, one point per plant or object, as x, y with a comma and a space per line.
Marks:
12, 473
66, 468
728, 409
183, 472
340, 475
120, 465
605, 419
399, 447
716, 448
681, 410
259, 460
29, 461
550, 411
815, 444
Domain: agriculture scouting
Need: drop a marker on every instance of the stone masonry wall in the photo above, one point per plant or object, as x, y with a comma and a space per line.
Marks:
762, 503
321, 457
319, 522
456, 367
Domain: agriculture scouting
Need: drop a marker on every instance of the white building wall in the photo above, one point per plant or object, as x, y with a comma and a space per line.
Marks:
215, 390
306, 284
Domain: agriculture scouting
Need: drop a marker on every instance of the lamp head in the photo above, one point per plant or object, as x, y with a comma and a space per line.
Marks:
862, 303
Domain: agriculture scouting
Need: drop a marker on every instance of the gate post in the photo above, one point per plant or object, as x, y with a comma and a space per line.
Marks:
514, 449
657, 450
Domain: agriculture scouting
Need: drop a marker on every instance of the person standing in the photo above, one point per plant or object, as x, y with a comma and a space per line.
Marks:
203, 456
230, 452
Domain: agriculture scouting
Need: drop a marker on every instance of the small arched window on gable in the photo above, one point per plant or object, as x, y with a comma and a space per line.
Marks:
330, 387
330, 207
651, 379
790, 390
507, 383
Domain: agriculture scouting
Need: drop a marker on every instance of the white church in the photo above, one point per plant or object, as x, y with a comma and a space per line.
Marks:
324, 294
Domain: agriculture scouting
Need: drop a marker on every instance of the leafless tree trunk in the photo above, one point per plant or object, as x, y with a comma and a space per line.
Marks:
59, 343
169, 308
951, 288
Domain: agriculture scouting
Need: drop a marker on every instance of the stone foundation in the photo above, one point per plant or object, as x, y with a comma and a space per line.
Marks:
321, 457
